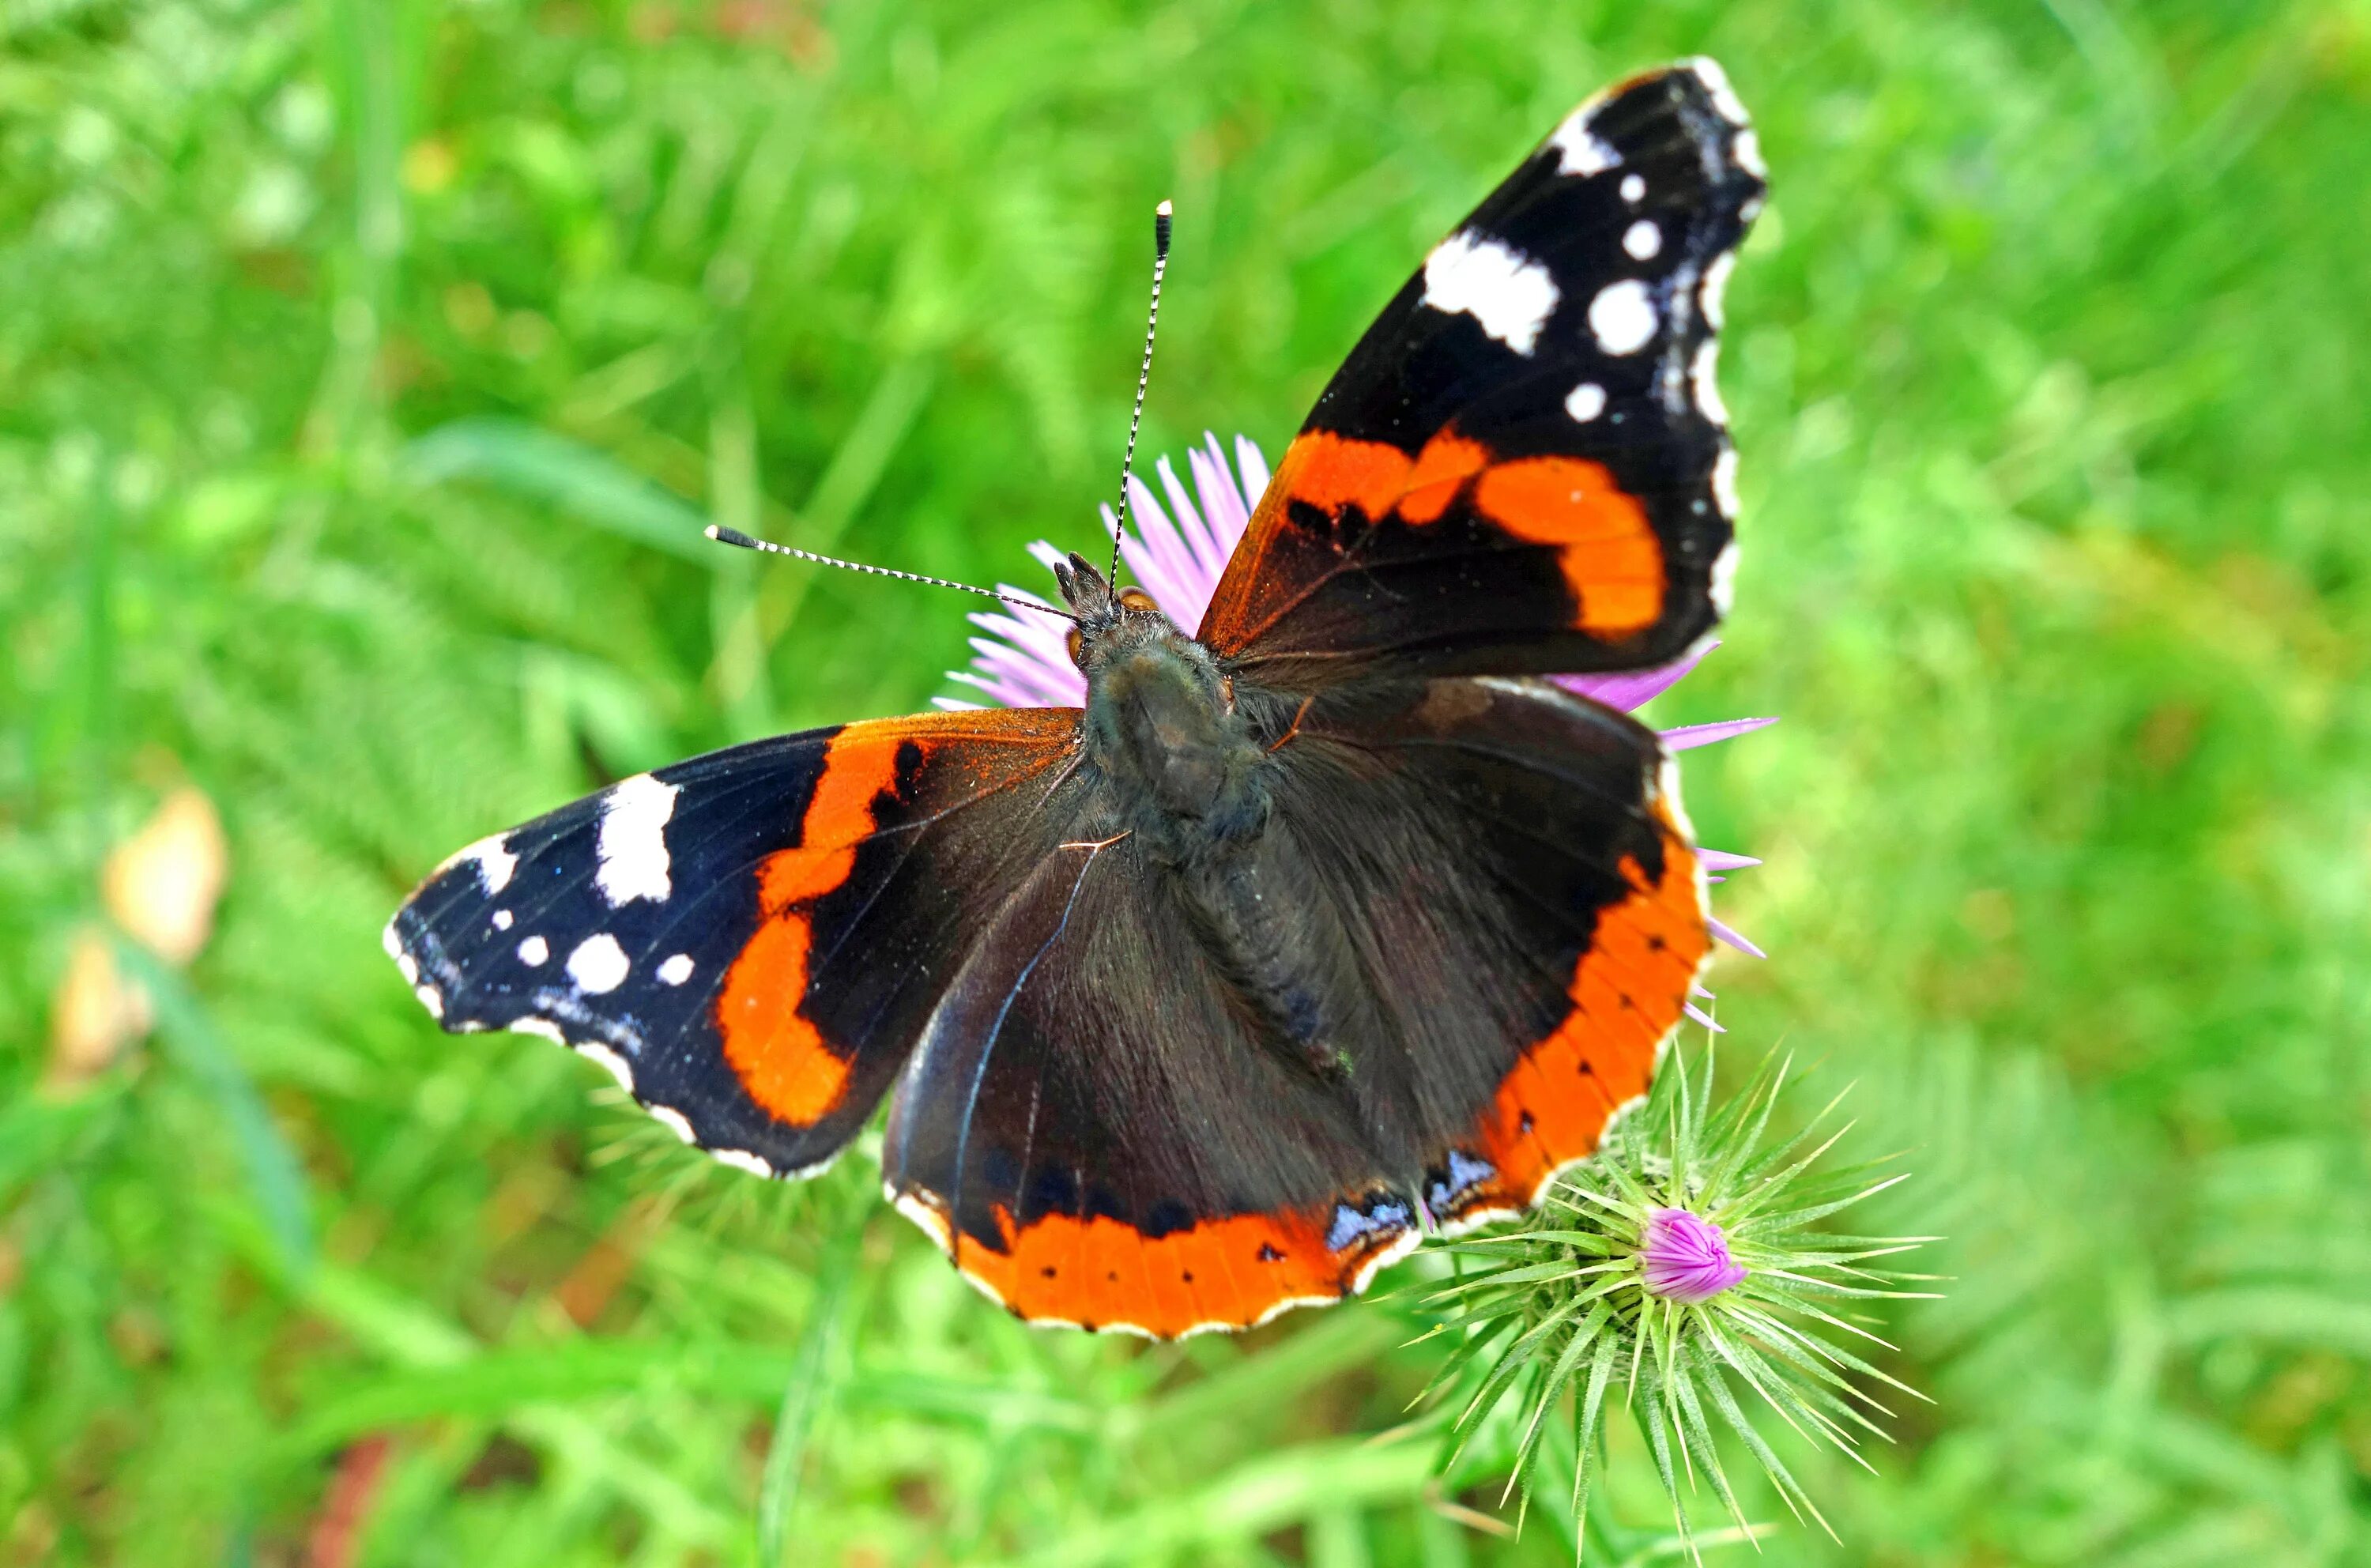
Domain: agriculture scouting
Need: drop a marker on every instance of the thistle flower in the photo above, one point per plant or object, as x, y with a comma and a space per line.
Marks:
1178, 554
1685, 1257
1682, 1260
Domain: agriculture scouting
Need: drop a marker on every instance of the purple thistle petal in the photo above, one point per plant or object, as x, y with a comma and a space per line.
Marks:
1152, 533
1722, 860
1684, 1257
1222, 498
1704, 1018
1039, 636
1045, 687
1691, 735
1199, 540
1156, 534
1633, 689
1723, 933
1224, 521
1001, 692
1165, 567
1253, 464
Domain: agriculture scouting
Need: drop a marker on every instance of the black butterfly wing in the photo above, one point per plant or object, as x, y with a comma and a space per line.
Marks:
749, 940
1522, 467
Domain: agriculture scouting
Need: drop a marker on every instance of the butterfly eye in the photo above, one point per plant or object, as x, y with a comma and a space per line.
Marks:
1136, 599
1074, 640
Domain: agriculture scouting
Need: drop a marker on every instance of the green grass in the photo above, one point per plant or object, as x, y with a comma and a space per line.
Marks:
365, 365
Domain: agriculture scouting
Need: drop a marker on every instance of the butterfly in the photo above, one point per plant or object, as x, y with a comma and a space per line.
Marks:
1327, 925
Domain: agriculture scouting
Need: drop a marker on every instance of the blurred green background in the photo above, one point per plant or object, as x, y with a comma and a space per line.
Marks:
366, 369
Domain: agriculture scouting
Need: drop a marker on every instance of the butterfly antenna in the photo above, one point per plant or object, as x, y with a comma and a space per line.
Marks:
734, 537
1161, 216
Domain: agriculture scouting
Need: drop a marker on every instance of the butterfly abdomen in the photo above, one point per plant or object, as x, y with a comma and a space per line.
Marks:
1269, 938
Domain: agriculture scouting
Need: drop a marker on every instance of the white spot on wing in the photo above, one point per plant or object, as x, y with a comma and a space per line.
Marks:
1715, 84
1724, 481
534, 950
409, 967
673, 1121
389, 940
1633, 187
502, 919
431, 998
632, 845
1643, 240
1585, 402
598, 965
675, 970
1512, 295
742, 1160
540, 1026
1578, 151
1724, 577
616, 1066
1623, 316
1747, 149
1715, 288
1706, 376
495, 863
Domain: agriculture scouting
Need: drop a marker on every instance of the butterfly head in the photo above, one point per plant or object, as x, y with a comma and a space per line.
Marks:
1103, 618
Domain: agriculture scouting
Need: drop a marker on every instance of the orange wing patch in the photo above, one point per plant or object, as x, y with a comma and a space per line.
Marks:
1604, 544
1628, 991
1608, 551
778, 1054
1227, 1273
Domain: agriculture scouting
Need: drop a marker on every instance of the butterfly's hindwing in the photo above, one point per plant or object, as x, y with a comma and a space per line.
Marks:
1516, 869
1097, 1133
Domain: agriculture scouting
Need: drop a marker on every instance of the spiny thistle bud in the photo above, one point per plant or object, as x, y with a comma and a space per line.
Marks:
1679, 1260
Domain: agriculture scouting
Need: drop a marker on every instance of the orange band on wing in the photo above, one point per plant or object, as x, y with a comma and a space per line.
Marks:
1220, 1273
1330, 472
780, 1057
1627, 992
1441, 471
1605, 545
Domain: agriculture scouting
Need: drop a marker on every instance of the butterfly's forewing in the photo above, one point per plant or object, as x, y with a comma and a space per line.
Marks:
1522, 467
749, 940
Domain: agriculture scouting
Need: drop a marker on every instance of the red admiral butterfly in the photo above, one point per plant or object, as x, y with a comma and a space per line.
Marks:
1327, 923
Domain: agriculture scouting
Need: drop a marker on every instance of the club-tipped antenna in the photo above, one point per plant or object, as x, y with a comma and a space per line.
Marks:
1161, 217
734, 537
